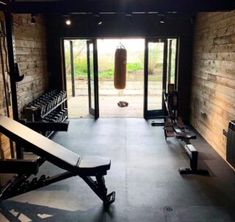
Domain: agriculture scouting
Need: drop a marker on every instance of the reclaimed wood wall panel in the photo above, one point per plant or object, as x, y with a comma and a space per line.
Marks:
213, 77
4, 141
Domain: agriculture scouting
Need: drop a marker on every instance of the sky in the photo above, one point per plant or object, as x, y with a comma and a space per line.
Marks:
107, 47
110, 45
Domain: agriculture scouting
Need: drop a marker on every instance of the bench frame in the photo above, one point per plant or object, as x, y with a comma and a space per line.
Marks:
21, 184
192, 153
24, 181
173, 128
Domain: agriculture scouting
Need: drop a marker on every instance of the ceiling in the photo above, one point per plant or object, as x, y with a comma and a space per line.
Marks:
120, 6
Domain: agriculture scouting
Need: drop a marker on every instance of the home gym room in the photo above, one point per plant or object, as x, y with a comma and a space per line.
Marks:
174, 163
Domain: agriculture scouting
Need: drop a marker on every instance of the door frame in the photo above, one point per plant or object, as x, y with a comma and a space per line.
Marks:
146, 114
93, 111
152, 114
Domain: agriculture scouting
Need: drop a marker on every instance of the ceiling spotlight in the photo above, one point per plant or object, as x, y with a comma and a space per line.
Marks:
100, 22
68, 21
162, 20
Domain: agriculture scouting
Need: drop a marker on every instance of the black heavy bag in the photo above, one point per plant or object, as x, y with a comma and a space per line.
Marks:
120, 68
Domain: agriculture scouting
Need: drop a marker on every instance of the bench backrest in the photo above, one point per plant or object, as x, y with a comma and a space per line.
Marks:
38, 143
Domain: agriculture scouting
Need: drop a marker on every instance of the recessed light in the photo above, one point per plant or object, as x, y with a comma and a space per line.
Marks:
68, 21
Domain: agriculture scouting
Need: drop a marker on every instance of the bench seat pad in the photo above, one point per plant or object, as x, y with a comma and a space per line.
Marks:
94, 165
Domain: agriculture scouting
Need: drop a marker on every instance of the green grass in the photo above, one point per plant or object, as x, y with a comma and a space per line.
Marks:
106, 67
106, 74
80, 69
134, 67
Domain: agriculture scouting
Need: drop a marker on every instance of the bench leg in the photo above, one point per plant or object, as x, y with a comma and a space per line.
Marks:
98, 186
193, 156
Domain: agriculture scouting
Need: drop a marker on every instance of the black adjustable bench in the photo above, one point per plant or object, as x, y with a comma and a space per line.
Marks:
92, 170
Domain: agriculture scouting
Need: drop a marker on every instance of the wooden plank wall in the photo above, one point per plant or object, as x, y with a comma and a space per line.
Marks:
213, 78
4, 142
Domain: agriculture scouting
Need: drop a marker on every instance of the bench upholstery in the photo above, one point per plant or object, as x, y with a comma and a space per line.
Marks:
60, 156
54, 152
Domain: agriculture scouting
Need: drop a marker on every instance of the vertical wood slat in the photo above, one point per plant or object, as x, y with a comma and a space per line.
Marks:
213, 81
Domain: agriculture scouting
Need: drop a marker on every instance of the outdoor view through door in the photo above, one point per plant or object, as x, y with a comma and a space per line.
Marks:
160, 69
150, 65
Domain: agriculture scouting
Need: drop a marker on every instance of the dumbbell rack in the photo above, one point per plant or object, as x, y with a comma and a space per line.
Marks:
49, 107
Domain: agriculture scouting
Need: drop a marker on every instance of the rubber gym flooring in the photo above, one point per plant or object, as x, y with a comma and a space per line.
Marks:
144, 174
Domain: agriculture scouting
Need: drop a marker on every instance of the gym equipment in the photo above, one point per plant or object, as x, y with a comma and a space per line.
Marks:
192, 153
19, 166
122, 104
230, 147
44, 105
46, 126
120, 68
174, 127
48, 108
92, 169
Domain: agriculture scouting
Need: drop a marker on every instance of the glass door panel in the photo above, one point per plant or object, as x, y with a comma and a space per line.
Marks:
92, 71
155, 71
155, 77
171, 62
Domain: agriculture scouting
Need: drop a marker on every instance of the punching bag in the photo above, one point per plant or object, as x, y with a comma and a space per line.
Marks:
120, 68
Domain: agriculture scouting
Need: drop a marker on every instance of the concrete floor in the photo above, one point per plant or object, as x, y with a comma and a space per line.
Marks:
143, 174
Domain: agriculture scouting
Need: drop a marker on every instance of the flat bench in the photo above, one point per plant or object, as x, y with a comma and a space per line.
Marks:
58, 155
192, 153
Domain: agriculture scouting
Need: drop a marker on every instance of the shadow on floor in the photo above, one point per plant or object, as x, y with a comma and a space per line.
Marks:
18, 211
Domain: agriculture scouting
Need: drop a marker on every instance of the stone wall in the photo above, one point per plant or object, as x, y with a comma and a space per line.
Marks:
213, 82
30, 54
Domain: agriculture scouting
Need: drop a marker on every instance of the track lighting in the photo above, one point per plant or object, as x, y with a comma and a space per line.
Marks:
97, 19
162, 20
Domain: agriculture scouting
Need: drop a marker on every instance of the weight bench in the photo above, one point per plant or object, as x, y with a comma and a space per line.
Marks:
171, 129
184, 134
192, 153
92, 170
